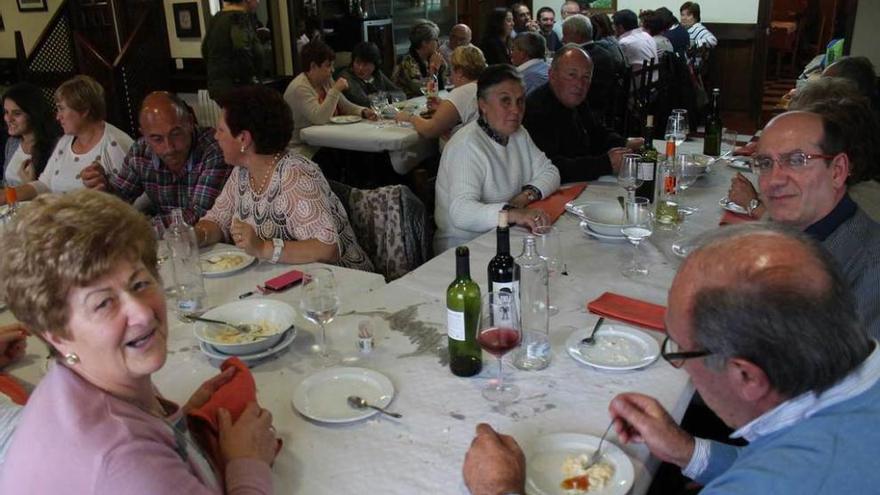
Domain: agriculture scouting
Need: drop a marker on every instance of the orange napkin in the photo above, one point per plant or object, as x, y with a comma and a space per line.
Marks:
630, 310
11, 388
233, 396
731, 218
554, 205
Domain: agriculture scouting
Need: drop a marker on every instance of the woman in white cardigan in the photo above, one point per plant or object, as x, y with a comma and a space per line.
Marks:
490, 165
313, 95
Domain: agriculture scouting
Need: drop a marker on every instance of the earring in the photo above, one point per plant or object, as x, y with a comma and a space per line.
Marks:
71, 358
243, 149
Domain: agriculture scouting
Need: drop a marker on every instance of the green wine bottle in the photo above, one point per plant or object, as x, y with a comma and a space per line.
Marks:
462, 317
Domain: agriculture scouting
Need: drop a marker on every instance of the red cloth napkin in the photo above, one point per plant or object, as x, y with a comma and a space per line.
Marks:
233, 396
11, 388
630, 310
731, 218
554, 205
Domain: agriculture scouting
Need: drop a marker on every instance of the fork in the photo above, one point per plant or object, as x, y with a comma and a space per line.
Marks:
594, 458
241, 328
591, 339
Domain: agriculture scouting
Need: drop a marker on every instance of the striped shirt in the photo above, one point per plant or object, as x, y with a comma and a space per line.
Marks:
700, 36
194, 189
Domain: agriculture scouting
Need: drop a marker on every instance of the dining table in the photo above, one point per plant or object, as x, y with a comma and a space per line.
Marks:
423, 451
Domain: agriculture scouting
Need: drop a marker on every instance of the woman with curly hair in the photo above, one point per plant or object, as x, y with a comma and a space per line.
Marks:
276, 205
32, 133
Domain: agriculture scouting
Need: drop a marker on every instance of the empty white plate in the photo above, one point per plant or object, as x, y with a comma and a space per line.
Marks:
545, 456
617, 348
323, 396
345, 119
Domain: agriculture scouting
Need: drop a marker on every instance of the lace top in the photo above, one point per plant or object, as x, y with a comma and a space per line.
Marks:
296, 205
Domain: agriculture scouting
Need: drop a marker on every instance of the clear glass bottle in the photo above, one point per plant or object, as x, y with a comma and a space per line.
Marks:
666, 202
188, 284
534, 295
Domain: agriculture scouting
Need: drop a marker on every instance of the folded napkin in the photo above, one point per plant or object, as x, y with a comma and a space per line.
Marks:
629, 310
731, 218
10, 387
233, 396
554, 205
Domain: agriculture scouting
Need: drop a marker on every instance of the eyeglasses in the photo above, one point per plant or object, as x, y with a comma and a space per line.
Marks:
676, 358
795, 160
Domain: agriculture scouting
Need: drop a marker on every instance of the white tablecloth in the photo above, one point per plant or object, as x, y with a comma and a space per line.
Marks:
423, 452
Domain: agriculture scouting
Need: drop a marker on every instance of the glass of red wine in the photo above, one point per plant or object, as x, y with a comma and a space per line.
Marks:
499, 333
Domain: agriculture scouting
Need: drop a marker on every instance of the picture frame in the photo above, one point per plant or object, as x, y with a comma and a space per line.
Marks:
603, 6
186, 20
32, 5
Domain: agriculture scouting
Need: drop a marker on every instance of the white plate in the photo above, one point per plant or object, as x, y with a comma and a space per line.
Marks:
248, 359
603, 217
323, 396
617, 348
277, 315
589, 231
545, 456
346, 119
740, 163
212, 270
731, 206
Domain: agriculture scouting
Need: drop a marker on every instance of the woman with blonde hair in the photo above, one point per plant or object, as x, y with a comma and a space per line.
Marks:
461, 107
88, 138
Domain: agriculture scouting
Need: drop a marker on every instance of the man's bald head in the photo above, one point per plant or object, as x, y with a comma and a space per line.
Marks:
571, 73
459, 35
167, 125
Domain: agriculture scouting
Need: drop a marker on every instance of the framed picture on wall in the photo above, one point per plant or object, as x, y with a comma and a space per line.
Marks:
603, 6
186, 20
32, 5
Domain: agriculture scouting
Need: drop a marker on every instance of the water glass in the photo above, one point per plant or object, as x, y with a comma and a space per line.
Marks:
641, 226
319, 304
684, 116
728, 141
628, 175
163, 257
499, 333
676, 129
686, 173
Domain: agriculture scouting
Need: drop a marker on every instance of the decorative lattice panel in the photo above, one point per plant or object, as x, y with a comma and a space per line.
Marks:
56, 54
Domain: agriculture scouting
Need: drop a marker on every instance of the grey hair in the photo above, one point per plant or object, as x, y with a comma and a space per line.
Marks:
578, 25
805, 340
532, 44
568, 47
423, 31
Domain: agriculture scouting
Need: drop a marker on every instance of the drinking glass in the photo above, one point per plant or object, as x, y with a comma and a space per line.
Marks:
686, 172
686, 123
499, 333
378, 102
628, 175
423, 85
728, 141
319, 304
396, 97
163, 257
675, 129
641, 221
550, 250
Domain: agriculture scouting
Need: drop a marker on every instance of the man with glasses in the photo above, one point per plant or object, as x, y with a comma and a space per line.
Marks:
771, 340
803, 161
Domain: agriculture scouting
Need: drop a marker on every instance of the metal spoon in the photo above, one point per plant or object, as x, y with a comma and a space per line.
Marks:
359, 403
591, 339
241, 328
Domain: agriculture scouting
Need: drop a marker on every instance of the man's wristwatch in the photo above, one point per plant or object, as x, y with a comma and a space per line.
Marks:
277, 246
753, 205
533, 192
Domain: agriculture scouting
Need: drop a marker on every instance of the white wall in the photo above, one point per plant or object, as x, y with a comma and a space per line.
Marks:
31, 25
866, 37
728, 11
188, 47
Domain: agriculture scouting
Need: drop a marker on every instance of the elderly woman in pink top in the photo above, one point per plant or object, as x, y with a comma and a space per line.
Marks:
79, 270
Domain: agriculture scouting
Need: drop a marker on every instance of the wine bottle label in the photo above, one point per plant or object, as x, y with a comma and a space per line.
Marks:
501, 314
455, 325
669, 183
646, 171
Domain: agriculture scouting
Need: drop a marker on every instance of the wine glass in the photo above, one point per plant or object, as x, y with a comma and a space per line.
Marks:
319, 304
685, 122
378, 102
499, 333
641, 225
628, 175
163, 257
675, 129
687, 172
550, 250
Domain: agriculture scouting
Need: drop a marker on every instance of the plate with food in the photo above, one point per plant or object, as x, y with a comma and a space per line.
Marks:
346, 119
555, 466
222, 263
617, 348
740, 163
266, 321
323, 396
287, 339
729, 205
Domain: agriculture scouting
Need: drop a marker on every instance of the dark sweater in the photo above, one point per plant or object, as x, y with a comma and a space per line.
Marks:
233, 54
495, 51
359, 91
570, 137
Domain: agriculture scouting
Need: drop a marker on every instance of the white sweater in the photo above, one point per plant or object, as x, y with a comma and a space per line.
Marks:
478, 176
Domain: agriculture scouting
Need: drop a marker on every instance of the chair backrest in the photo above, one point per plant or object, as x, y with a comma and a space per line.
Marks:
391, 225
207, 110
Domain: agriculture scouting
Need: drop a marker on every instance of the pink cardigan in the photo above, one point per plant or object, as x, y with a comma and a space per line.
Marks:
75, 438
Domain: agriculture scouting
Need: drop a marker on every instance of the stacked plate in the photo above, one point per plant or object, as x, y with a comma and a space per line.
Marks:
274, 330
601, 219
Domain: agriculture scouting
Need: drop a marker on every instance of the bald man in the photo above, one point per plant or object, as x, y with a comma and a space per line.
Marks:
459, 35
175, 163
771, 341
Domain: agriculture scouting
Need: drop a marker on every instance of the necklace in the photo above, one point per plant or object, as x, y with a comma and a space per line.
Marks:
266, 176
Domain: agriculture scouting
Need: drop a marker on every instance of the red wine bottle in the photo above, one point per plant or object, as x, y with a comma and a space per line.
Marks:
503, 271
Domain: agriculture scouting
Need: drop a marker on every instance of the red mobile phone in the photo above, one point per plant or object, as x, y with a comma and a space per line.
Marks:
284, 281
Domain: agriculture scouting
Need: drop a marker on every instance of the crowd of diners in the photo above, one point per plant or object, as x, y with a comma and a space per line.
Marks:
779, 339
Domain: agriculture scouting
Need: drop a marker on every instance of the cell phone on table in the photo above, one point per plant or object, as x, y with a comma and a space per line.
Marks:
284, 281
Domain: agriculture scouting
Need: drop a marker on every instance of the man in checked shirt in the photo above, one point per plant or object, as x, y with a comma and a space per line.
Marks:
175, 163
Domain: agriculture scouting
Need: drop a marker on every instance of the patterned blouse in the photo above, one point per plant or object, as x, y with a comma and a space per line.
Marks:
296, 205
